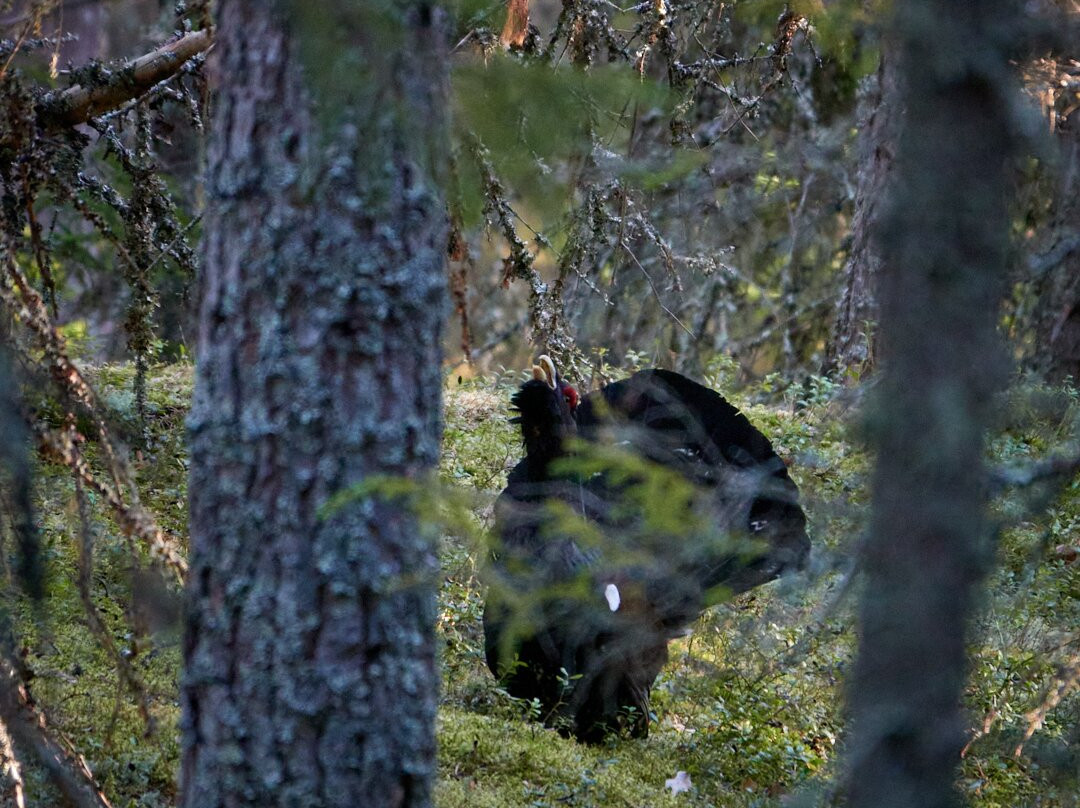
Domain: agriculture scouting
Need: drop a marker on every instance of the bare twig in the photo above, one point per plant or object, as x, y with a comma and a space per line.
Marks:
545, 304
27, 304
94, 620
133, 519
28, 728
41, 254
1060, 465
656, 294
122, 496
31, 21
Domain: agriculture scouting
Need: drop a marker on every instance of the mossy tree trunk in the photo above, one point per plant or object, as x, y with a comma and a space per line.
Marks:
944, 243
310, 674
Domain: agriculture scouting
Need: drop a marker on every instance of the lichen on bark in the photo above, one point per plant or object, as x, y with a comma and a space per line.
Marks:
310, 669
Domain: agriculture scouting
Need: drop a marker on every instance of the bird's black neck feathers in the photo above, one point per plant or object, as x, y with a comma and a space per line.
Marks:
545, 421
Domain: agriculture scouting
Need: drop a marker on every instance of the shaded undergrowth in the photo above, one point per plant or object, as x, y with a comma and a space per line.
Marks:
749, 705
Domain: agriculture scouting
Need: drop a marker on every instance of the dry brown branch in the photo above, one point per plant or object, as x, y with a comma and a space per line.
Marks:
78, 104
27, 306
28, 728
459, 289
1066, 681
134, 520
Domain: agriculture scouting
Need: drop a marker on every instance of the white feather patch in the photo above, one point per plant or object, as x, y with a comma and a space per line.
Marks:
611, 593
679, 783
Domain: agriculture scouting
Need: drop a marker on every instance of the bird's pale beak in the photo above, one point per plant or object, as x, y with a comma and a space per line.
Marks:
545, 371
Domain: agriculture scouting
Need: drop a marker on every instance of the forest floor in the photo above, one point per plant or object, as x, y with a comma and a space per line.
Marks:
750, 706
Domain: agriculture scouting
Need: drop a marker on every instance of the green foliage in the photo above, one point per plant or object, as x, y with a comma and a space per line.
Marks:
347, 49
840, 30
479, 443
838, 26
1027, 642
531, 117
470, 15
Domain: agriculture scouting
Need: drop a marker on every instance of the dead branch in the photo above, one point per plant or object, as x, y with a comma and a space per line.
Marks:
27, 727
1039, 265
134, 520
24, 302
78, 104
1066, 681
30, 22
28, 307
1059, 466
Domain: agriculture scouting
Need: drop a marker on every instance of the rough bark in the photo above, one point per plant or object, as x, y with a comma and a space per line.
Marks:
310, 664
852, 349
1058, 317
944, 243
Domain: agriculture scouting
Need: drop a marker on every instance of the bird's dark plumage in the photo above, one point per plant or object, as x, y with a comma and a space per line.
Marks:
590, 576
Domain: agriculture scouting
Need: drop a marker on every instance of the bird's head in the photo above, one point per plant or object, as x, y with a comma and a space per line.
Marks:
546, 372
545, 407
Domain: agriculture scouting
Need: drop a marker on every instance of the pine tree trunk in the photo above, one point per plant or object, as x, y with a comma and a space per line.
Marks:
310, 672
852, 349
944, 242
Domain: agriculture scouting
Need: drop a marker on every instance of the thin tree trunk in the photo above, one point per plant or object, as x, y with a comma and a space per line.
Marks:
310, 662
944, 244
852, 349
1058, 316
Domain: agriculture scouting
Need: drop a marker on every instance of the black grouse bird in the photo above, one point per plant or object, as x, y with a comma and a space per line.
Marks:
632, 511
